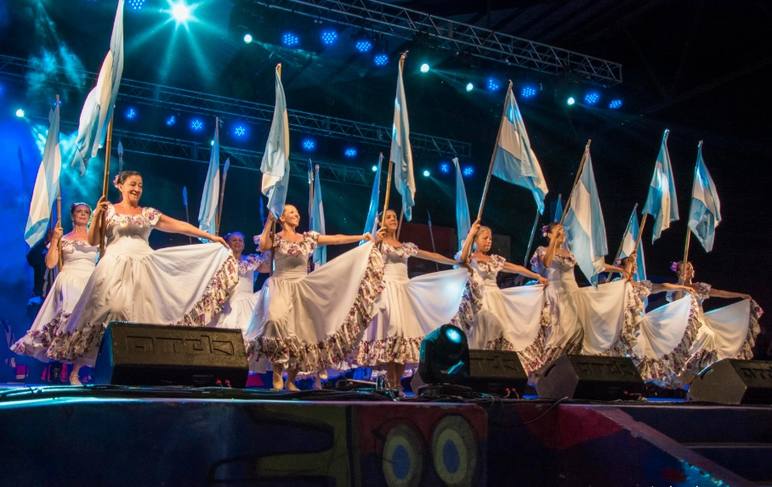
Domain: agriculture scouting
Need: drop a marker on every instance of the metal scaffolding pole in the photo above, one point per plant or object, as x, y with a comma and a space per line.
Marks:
393, 20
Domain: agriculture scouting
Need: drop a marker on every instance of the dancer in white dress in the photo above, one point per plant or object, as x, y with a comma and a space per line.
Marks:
185, 285
407, 309
305, 323
78, 261
567, 311
503, 319
727, 332
237, 312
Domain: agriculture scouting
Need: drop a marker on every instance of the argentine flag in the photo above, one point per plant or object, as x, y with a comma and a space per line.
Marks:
585, 229
401, 152
463, 221
210, 199
705, 209
514, 159
628, 244
661, 202
46, 183
275, 164
98, 107
375, 195
317, 219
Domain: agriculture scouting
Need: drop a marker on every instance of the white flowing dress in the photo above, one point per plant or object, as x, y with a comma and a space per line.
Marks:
185, 285
310, 322
78, 261
408, 309
238, 311
506, 319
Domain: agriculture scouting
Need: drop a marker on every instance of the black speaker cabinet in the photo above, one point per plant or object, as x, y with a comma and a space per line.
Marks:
731, 381
495, 370
137, 354
590, 377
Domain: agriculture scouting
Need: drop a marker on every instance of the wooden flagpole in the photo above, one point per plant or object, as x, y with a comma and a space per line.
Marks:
576, 180
106, 181
60, 262
222, 197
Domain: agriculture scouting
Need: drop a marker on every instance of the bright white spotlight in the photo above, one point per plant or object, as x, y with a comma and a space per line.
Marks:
570, 101
469, 87
20, 112
425, 68
180, 12
248, 38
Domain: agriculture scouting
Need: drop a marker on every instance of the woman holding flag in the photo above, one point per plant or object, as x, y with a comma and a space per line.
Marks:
507, 319
406, 309
305, 323
185, 285
78, 258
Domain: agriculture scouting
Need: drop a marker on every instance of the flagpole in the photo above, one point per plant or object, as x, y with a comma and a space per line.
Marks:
687, 239
576, 180
187, 211
399, 227
105, 181
431, 236
388, 188
533, 235
60, 262
220, 203
484, 196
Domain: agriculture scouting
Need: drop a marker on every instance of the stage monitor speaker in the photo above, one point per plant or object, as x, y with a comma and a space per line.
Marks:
731, 381
138, 354
590, 377
495, 371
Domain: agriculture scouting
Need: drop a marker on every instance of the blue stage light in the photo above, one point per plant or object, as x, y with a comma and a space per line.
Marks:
570, 101
381, 59
426, 173
528, 91
363, 45
350, 152
240, 131
20, 112
493, 84
453, 335
290, 39
171, 120
615, 104
309, 144
180, 12
131, 113
469, 87
374, 168
196, 124
468, 171
136, 4
329, 37
425, 68
591, 97
248, 38
445, 167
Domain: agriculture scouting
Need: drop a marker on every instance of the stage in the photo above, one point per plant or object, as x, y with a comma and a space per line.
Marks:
113, 435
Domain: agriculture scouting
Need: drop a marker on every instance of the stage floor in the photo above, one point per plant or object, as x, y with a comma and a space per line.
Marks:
114, 435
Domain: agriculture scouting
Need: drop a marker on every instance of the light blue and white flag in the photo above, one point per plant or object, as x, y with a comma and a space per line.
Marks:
661, 202
46, 183
463, 220
98, 107
401, 152
275, 165
514, 159
558, 214
375, 195
585, 229
210, 199
628, 244
317, 219
705, 209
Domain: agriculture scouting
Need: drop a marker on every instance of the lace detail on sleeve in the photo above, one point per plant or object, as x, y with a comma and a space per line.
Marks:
250, 262
497, 262
409, 249
152, 215
311, 239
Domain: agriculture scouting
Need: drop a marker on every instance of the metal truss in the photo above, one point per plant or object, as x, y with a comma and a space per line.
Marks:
182, 100
393, 20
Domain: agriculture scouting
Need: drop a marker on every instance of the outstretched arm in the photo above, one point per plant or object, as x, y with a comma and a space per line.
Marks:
615, 268
435, 257
518, 269
340, 239
666, 287
172, 225
266, 241
718, 293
